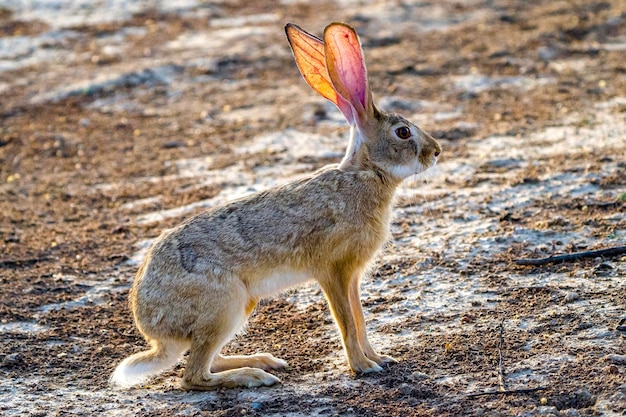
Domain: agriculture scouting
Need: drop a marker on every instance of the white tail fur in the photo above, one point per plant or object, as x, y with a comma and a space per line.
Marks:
139, 367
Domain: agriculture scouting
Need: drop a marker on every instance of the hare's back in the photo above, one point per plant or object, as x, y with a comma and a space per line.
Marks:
284, 231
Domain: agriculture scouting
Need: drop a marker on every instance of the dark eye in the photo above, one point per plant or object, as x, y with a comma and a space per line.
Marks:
403, 132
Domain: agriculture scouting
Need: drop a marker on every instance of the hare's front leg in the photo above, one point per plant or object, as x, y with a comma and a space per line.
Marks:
359, 317
337, 290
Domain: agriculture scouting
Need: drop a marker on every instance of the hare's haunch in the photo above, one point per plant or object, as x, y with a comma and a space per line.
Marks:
201, 280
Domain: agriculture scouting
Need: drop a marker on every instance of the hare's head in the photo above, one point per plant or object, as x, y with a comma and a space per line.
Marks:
335, 68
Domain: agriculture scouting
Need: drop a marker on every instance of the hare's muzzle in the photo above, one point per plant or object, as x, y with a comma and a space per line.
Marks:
431, 149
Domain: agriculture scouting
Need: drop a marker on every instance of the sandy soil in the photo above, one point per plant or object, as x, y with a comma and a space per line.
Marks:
120, 119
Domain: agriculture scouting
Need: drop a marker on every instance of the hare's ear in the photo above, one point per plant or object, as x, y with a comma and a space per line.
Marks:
308, 51
346, 68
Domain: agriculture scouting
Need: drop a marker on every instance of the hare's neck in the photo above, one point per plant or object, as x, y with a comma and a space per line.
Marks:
356, 140
356, 158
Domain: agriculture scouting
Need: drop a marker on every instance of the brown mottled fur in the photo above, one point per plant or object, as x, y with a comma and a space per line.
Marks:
200, 281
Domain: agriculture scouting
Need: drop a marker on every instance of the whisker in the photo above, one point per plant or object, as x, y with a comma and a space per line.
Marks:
423, 176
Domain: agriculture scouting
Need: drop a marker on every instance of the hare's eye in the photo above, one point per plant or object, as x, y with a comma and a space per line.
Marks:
403, 132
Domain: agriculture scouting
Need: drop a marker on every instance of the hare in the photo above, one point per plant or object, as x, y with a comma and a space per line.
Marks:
201, 280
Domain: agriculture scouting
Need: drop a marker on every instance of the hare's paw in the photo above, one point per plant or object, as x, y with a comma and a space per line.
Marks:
260, 360
382, 360
365, 366
268, 361
235, 378
259, 378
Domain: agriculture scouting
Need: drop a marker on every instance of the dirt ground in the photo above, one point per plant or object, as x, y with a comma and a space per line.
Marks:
118, 123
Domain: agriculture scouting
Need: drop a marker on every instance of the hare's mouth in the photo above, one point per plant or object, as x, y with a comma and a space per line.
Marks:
433, 162
426, 165
426, 162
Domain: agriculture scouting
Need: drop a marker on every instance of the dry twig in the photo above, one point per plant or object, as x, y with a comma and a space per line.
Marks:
507, 392
501, 375
20, 263
608, 252
502, 386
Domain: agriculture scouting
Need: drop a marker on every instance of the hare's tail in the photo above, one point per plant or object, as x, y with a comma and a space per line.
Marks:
138, 367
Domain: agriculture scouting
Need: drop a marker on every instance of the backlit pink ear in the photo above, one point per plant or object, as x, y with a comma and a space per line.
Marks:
346, 67
308, 51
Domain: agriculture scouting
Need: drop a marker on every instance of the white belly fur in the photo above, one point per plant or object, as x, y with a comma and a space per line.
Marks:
277, 281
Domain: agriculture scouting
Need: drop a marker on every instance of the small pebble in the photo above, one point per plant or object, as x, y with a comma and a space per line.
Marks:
173, 144
13, 359
571, 296
612, 370
616, 359
547, 411
419, 376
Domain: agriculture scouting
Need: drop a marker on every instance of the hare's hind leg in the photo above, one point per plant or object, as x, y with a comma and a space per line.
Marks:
198, 377
260, 360
359, 317
207, 342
